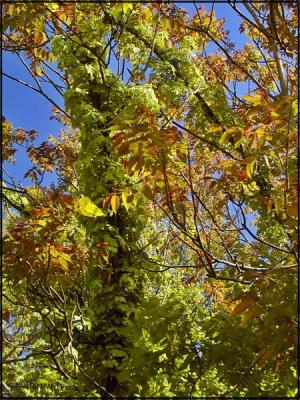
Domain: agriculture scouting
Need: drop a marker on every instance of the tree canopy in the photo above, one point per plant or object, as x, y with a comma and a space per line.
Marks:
162, 258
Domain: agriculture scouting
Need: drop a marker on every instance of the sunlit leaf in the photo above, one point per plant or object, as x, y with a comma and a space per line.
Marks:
85, 206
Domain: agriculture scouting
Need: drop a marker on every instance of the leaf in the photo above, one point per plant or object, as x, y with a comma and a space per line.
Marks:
6, 315
39, 71
126, 197
43, 212
255, 100
41, 222
124, 7
115, 203
148, 192
118, 353
127, 6
269, 205
124, 375
72, 351
166, 23
65, 256
255, 110
246, 190
85, 206
216, 129
123, 148
63, 263
265, 354
277, 205
106, 201
242, 306
54, 253
226, 135
250, 168
250, 314
292, 210
53, 6
145, 13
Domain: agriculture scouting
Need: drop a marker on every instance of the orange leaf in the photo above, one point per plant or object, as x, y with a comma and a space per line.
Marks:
6, 315
106, 201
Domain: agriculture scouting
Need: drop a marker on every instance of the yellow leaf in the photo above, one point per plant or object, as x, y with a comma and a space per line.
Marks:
127, 6
166, 24
65, 256
63, 263
54, 253
123, 7
115, 203
216, 129
253, 186
274, 114
226, 135
53, 6
85, 206
125, 198
145, 13
246, 189
64, 236
39, 71
137, 196
250, 168
41, 222
295, 107
61, 257
255, 100
260, 132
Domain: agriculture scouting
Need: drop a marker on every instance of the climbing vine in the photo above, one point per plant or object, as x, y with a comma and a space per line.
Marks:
161, 261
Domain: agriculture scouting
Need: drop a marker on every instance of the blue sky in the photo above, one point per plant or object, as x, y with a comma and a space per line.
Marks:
28, 109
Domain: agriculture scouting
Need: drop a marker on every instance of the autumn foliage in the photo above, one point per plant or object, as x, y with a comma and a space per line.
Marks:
162, 258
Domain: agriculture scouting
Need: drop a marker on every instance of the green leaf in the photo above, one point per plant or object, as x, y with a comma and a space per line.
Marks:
118, 353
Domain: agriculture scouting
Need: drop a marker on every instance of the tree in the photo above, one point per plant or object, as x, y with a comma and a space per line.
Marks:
163, 261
